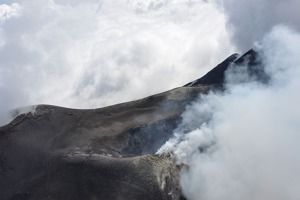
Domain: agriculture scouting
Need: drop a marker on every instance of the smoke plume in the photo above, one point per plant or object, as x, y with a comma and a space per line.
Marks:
244, 143
249, 21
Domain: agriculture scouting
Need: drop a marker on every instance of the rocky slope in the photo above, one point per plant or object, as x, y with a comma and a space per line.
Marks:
105, 153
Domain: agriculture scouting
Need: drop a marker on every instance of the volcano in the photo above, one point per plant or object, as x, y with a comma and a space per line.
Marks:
105, 153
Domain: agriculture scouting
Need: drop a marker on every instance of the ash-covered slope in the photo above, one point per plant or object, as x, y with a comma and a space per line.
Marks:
106, 153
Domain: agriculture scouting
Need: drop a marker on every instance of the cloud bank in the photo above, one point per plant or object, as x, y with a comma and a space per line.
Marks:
93, 53
244, 143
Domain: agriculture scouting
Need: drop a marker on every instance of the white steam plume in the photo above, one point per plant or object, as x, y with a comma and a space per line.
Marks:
93, 53
249, 21
244, 143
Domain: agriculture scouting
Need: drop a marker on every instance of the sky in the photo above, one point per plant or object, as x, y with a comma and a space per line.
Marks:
94, 53
87, 54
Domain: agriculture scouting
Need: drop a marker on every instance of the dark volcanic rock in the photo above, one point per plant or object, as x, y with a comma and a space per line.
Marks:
107, 153
216, 76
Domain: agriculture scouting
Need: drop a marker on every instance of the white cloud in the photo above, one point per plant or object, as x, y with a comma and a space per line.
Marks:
94, 53
8, 11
